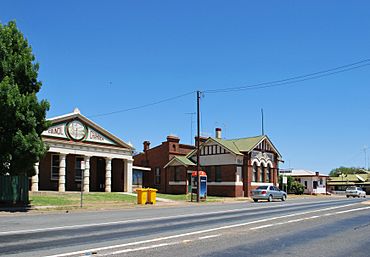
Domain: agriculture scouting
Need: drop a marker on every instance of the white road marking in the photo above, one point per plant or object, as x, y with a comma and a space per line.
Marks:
207, 237
309, 218
138, 249
196, 232
15, 232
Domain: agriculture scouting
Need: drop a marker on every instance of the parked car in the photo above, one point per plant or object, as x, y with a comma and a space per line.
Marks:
355, 192
268, 193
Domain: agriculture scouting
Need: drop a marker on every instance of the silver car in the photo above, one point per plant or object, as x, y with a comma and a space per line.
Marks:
355, 192
268, 193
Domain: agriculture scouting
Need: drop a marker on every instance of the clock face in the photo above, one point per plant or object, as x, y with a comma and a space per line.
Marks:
76, 130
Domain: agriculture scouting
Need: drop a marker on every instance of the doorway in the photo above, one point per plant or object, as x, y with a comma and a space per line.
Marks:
100, 175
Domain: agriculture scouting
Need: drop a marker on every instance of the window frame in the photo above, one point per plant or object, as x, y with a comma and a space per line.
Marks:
157, 177
218, 174
54, 175
79, 177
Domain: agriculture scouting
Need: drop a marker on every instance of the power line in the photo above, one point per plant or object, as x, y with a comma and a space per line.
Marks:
142, 106
296, 79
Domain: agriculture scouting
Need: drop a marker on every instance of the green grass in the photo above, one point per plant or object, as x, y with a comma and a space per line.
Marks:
73, 199
52, 200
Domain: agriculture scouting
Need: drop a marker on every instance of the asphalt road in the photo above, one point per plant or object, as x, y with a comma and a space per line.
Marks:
321, 227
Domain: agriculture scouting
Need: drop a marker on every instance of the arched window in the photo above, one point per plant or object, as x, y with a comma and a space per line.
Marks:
255, 170
268, 175
262, 175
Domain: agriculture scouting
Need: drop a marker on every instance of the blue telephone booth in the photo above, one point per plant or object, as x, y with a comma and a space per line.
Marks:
203, 185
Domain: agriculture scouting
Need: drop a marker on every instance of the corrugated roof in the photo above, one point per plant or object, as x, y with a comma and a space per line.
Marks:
182, 159
240, 145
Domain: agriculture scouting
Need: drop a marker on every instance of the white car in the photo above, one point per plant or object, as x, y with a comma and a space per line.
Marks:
355, 192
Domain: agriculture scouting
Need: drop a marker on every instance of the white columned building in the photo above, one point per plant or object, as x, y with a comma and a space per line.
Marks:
82, 154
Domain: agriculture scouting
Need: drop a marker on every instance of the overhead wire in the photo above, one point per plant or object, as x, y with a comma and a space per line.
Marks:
142, 106
296, 79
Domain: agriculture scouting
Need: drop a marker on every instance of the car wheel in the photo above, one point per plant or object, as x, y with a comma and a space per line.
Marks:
283, 198
270, 198
255, 200
347, 196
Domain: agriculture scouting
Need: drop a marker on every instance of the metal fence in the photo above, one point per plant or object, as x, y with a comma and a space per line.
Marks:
14, 190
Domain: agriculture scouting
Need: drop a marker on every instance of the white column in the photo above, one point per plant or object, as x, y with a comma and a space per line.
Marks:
128, 176
35, 179
62, 173
86, 175
108, 174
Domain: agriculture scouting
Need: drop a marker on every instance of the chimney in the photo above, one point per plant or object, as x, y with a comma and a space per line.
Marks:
218, 133
172, 138
201, 140
146, 145
317, 173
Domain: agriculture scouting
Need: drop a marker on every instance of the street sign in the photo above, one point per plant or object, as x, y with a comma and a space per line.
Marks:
285, 180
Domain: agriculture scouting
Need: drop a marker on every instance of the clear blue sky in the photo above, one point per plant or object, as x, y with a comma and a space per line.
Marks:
104, 56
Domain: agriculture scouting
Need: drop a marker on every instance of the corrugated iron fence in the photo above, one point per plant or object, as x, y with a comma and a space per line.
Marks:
14, 189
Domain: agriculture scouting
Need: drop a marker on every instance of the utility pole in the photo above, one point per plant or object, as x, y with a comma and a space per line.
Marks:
262, 125
365, 152
191, 125
198, 144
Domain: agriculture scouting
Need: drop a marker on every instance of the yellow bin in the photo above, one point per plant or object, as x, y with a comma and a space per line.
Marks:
141, 195
152, 195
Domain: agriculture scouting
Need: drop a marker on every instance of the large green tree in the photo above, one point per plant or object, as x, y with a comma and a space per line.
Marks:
22, 116
347, 170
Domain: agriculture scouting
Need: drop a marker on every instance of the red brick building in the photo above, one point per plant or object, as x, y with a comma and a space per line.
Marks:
156, 158
234, 167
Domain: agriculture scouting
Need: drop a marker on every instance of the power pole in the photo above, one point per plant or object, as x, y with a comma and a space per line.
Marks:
262, 125
198, 144
365, 148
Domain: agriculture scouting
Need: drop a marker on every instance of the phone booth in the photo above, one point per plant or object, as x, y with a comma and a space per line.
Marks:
203, 185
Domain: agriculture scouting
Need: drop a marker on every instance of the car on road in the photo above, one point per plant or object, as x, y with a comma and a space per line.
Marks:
268, 193
355, 192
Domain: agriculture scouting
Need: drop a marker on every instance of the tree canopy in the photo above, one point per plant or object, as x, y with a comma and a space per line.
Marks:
22, 115
347, 170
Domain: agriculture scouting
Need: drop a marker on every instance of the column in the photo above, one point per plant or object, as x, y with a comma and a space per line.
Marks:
128, 176
35, 179
86, 175
108, 174
62, 173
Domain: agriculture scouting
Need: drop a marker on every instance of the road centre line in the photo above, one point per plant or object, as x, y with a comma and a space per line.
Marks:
15, 232
309, 218
195, 232
207, 237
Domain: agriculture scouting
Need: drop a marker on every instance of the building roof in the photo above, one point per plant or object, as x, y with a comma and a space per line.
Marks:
351, 177
180, 159
301, 172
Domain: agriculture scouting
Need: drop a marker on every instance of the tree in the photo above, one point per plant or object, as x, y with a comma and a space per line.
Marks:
345, 170
296, 188
22, 116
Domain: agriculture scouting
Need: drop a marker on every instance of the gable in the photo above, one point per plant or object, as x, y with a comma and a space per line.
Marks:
77, 128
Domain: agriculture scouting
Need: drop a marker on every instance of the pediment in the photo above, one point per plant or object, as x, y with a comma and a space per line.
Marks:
77, 128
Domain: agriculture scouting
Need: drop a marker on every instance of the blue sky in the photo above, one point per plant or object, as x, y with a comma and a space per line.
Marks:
105, 56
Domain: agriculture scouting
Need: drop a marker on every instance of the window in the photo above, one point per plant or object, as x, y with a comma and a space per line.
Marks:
254, 178
238, 174
55, 167
157, 176
78, 168
218, 177
314, 185
137, 177
268, 174
177, 173
305, 185
262, 175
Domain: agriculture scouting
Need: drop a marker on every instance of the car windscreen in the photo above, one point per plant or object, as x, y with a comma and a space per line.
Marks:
351, 188
262, 187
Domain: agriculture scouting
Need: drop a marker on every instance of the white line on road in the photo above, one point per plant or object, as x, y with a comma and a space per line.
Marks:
309, 218
195, 232
207, 237
15, 232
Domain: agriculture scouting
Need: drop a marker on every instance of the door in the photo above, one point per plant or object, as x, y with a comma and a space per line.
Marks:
100, 175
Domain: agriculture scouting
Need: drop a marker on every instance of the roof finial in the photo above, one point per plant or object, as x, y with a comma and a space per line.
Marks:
76, 110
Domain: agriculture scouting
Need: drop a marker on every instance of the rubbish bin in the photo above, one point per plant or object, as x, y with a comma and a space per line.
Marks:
141, 195
152, 194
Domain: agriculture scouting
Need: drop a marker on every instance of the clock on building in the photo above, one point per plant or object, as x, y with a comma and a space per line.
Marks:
76, 130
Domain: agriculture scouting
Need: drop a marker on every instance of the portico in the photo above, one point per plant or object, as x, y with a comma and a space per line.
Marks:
82, 154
